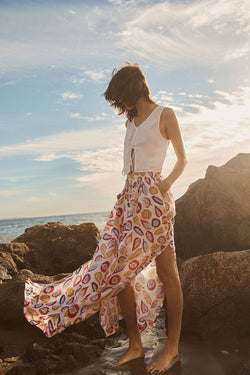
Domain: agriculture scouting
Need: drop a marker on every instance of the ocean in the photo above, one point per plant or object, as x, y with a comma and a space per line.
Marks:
12, 228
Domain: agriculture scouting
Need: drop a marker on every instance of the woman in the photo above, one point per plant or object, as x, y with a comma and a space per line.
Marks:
134, 264
128, 91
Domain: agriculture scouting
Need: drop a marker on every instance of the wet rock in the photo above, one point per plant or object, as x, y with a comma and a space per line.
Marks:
37, 352
216, 294
82, 352
67, 363
244, 368
214, 214
61, 355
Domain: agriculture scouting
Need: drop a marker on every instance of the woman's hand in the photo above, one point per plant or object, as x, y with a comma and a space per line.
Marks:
163, 186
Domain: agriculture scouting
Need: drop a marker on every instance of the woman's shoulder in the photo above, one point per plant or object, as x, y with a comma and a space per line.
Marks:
167, 111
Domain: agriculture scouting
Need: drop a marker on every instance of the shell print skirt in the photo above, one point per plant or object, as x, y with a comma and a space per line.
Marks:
139, 228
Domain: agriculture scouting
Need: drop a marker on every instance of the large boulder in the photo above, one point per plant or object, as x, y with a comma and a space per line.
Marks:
216, 294
55, 248
214, 213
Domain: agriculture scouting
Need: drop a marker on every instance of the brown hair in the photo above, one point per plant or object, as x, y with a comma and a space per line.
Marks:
126, 86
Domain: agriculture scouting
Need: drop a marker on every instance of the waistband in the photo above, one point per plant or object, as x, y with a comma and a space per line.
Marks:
138, 176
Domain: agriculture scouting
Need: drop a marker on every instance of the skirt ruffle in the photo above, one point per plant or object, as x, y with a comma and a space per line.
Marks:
139, 228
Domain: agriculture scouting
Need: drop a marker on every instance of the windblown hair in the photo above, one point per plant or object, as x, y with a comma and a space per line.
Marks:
126, 86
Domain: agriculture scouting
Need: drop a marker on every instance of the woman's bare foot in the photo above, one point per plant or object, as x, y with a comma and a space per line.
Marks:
166, 360
131, 353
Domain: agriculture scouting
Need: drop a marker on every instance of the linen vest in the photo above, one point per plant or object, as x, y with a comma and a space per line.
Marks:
149, 145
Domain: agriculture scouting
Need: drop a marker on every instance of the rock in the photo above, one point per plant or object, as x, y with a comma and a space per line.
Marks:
62, 353
244, 369
216, 294
214, 213
46, 365
82, 352
55, 248
22, 370
8, 267
12, 295
37, 351
4, 274
18, 249
67, 363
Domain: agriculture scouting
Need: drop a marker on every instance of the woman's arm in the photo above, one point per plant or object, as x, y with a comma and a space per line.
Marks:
172, 130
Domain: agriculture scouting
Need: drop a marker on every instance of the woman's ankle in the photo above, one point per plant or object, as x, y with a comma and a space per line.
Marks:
136, 346
172, 345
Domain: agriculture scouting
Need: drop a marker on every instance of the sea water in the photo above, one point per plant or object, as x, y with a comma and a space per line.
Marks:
12, 228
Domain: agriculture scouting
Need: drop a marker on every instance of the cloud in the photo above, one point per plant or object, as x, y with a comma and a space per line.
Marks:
216, 124
48, 35
128, 3
169, 34
73, 145
70, 95
178, 35
106, 159
8, 83
78, 80
104, 182
103, 116
76, 115
9, 193
13, 178
37, 199
237, 53
89, 75
95, 75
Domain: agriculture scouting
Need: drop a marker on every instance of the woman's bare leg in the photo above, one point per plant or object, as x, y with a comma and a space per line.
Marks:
168, 273
126, 300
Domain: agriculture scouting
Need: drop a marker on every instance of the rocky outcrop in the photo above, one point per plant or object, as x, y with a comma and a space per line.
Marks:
214, 213
216, 294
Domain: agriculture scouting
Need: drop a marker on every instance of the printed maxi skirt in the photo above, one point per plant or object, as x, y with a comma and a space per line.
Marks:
139, 228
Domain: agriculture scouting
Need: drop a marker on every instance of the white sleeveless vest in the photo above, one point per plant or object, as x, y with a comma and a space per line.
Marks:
149, 145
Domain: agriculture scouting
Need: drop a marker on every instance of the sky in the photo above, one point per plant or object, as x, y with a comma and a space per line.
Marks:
61, 144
